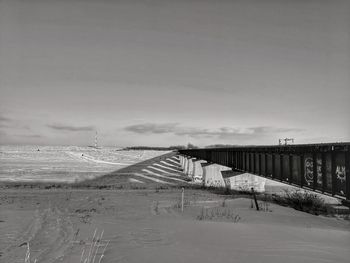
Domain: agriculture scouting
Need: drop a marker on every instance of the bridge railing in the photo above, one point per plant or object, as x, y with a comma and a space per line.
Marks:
320, 167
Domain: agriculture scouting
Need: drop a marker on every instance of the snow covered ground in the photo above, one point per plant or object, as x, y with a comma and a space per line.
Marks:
64, 163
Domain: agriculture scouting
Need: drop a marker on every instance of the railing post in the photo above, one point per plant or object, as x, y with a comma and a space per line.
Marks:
334, 176
236, 159
239, 160
314, 170
281, 168
254, 162
290, 179
324, 172
250, 162
228, 159
302, 170
347, 174
243, 161
273, 165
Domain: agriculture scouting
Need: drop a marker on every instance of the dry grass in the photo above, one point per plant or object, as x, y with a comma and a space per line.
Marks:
90, 252
303, 201
217, 213
27, 257
178, 203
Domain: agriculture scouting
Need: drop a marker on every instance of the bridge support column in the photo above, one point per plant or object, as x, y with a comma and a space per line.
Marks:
212, 176
185, 165
190, 167
182, 161
198, 171
243, 181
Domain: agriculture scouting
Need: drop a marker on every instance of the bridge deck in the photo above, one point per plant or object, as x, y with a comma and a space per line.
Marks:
319, 167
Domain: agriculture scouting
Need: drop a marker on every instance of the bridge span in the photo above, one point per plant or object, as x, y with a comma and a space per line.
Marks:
323, 168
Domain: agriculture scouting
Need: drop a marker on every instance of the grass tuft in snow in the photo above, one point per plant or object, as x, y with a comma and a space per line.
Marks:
27, 257
94, 253
303, 201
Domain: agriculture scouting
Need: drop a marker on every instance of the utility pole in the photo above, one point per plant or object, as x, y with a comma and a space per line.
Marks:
96, 139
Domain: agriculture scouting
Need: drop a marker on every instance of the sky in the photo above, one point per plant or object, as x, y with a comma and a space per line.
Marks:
166, 72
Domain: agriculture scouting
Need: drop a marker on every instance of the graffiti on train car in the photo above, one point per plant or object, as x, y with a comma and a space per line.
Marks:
309, 170
319, 170
341, 173
309, 174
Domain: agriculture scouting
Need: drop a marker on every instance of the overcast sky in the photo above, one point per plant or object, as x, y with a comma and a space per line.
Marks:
169, 72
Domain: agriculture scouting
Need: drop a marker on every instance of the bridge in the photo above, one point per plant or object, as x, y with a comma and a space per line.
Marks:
323, 168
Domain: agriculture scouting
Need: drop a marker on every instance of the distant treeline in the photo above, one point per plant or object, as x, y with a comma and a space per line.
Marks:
170, 148
221, 146
176, 147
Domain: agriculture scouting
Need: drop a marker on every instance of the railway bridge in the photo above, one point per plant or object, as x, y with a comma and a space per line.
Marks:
323, 168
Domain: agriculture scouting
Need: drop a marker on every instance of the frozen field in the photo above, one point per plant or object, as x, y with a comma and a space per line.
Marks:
64, 163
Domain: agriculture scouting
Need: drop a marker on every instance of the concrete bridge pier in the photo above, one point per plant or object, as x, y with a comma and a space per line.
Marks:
187, 165
198, 170
212, 176
190, 167
182, 161
243, 181
215, 175
184, 164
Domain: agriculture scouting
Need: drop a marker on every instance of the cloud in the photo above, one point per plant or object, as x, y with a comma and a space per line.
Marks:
30, 135
4, 125
152, 128
4, 119
61, 127
195, 132
9, 123
229, 132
